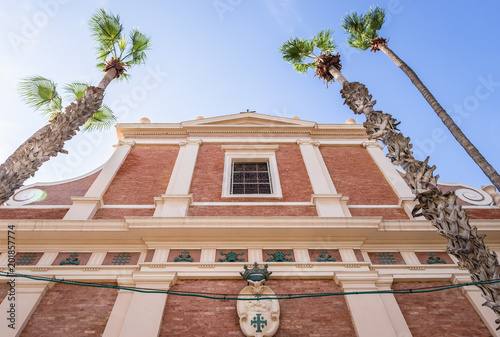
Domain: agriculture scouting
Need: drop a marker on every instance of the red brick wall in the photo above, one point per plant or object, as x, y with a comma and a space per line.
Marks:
68, 310
61, 194
355, 174
27, 213
320, 316
143, 175
119, 213
252, 211
484, 213
4, 289
206, 185
386, 213
441, 313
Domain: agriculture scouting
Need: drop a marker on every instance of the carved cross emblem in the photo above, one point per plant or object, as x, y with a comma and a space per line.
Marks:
258, 323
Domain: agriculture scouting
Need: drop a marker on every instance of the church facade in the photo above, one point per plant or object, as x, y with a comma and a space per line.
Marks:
186, 207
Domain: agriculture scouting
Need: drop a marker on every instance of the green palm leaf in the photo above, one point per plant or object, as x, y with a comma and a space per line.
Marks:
296, 51
76, 90
139, 44
41, 94
106, 31
102, 119
363, 29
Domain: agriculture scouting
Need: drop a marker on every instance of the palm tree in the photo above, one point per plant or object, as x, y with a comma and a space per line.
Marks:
441, 209
363, 34
40, 93
116, 53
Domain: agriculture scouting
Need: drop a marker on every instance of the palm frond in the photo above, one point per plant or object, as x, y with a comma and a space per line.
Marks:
324, 41
363, 29
296, 50
41, 94
102, 119
76, 90
106, 31
139, 44
304, 67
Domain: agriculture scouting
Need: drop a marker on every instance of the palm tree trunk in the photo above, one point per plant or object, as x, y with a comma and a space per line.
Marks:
338, 76
471, 150
108, 77
47, 142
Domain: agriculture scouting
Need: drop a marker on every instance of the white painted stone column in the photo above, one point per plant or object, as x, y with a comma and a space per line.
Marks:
391, 174
392, 307
473, 294
28, 294
84, 208
145, 311
368, 312
175, 202
255, 255
120, 308
328, 202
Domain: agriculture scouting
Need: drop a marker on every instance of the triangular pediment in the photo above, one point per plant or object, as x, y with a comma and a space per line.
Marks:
249, 119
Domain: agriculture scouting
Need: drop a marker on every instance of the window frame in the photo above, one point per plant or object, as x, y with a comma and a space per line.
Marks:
251, 153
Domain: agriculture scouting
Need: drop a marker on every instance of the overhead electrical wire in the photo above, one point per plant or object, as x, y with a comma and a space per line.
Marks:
238, 297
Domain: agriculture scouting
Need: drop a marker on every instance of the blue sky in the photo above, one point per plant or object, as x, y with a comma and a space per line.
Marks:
217, 57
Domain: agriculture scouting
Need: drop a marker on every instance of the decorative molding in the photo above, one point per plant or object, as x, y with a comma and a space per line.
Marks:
372, 143
308, 142
305, 265
128, 142
252, 148
206, 266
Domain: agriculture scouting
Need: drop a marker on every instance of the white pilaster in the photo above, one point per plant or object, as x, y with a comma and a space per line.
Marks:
347, 255
28, 294
474, 295
368, 312
176, 200
255, 255
410, 258
84, 208
391, 174
301, 255
328, 202
145, 311
47, 258
208, 255
96, 258
161, 255
392, 307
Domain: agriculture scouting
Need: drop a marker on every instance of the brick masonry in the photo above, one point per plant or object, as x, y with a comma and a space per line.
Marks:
440, 313
252, 211
314, 254
29, 214
209, 170
424, 256
244, 256
83, 258
484, 213
355, 175
61, 194
114, 258
313, 317
391, 256
194, 254
386, 213
4, 289
143, 175
68, 310
266, 252
120, 213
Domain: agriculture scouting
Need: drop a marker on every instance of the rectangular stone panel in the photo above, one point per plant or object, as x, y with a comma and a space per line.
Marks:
184, 255
278, 255
231, 255
121, 259
28, 258
386, 258
325, 255
70, 259
436, 258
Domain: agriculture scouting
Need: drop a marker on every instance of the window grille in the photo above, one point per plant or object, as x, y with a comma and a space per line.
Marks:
250, 178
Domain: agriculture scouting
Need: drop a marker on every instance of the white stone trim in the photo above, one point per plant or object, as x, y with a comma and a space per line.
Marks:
250, 203
251, 153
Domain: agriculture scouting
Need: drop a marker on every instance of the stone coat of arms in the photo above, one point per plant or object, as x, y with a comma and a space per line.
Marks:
258, 318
